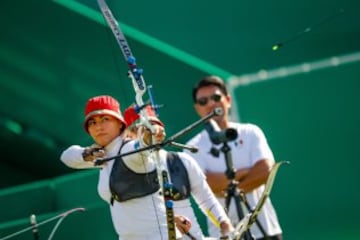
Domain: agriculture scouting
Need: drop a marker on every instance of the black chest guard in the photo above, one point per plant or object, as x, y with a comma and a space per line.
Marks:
126, 184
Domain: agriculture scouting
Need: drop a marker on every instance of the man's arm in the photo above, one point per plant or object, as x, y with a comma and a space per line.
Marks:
256, 175
248, 178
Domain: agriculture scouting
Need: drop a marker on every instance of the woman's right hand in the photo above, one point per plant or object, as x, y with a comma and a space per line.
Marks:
92, 153
182, 223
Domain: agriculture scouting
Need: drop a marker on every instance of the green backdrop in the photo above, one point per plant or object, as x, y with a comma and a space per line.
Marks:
56, 54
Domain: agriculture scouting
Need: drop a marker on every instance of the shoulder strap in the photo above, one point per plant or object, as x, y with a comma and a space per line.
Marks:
179, 176
125, 141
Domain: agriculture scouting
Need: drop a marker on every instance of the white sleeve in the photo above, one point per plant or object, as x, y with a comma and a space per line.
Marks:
260, 146
72, 157
202, 142
138, 162
201, 191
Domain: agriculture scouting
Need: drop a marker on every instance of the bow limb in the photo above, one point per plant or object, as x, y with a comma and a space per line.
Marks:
250, 218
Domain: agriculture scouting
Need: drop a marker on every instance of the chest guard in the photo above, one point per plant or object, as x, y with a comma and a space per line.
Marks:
179, 177
126, 184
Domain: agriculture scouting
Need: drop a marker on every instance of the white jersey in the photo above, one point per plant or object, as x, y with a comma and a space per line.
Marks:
135, 219
201, 193
249, 147
145, 217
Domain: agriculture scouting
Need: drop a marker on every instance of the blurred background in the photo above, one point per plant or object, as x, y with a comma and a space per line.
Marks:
293, 69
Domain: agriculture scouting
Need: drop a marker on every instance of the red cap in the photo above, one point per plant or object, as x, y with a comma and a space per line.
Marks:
100, 105
131, 116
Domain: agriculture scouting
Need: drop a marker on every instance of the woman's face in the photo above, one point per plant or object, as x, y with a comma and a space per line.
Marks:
104, 129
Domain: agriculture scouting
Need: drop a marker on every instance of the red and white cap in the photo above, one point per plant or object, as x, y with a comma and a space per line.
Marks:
131, 116
103, 105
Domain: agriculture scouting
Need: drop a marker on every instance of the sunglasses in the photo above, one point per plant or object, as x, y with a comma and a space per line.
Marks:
204, 100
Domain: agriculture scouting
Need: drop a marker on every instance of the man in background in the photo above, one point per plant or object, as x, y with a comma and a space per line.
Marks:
252, 158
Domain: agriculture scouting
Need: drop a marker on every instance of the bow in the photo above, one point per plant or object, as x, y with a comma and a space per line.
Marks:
135, 74
60, 218
250, 218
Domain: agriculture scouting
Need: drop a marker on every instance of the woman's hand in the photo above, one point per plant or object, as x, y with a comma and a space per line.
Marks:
93, 153
226, 228
158, 135
182, 223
